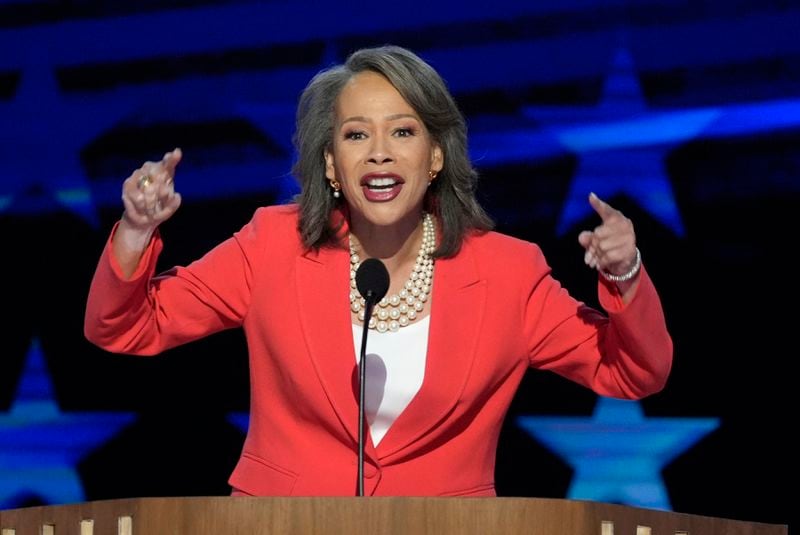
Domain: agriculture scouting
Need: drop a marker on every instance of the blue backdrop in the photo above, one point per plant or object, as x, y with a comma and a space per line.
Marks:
685, 115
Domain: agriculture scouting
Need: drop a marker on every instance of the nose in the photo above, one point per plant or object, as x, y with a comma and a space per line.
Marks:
379, 151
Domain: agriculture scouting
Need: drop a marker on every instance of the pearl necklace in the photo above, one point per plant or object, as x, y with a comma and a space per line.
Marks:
400, 309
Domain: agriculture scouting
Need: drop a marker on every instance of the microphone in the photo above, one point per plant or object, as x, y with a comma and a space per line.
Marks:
372, 281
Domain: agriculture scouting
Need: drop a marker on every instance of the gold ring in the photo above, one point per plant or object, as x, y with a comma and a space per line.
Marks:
144, 181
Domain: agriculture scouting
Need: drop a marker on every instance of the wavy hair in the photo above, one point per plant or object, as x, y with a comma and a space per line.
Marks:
451, 197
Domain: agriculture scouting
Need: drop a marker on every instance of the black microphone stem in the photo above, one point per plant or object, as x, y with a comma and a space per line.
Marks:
362, 381
372, 282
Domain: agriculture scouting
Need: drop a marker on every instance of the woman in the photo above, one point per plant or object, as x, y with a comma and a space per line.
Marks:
384, 172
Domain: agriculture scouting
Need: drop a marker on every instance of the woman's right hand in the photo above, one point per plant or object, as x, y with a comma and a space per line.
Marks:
150, 199
149, 193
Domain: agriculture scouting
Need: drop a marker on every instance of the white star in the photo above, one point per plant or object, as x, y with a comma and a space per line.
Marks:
618, 453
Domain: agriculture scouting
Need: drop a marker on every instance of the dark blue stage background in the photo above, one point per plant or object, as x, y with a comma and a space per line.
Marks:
684, 114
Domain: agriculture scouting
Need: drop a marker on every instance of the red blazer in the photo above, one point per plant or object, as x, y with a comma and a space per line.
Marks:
495, 311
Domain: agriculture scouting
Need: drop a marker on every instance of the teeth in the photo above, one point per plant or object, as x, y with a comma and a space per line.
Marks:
381, 182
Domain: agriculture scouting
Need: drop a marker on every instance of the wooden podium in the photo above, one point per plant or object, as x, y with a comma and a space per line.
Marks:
354, 516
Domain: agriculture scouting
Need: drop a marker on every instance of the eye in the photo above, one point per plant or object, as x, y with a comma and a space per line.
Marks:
355, 135
404, 132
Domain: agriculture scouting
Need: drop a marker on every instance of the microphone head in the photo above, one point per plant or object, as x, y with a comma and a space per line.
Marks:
372, 279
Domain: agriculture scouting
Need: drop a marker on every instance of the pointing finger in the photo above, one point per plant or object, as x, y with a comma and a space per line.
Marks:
171, 161
603, 209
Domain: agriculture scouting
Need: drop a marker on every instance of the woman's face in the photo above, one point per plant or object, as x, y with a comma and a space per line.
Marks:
382, 153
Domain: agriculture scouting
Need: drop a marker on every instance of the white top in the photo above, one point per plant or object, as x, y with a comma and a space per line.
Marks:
395, 369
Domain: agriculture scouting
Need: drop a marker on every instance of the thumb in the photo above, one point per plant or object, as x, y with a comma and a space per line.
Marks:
171, 206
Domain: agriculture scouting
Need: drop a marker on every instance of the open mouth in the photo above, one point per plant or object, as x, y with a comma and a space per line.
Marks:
378, 184
381, 187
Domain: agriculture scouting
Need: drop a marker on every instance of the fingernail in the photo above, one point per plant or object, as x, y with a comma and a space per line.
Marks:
587, 257
593, 195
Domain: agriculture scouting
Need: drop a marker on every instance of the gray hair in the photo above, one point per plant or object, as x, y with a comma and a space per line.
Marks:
451, 197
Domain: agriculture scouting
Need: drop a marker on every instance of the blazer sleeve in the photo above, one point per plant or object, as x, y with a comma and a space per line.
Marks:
148, 313
624, 353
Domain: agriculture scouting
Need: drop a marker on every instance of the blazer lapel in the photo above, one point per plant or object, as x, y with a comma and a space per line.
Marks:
457, 306
324, 306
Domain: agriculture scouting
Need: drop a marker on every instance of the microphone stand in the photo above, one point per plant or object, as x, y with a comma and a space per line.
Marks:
362, 382
372, 281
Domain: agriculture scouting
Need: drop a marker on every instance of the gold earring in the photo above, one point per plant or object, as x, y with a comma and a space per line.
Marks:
336, 187
432, 174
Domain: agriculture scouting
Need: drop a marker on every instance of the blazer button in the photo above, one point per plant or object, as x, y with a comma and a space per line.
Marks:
370, 471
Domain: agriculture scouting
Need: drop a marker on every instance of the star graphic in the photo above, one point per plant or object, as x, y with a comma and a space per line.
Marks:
40, 445
621, 146
42, 133
618, 453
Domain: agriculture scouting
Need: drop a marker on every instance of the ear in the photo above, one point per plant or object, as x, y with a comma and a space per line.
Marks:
437, 158
330, 168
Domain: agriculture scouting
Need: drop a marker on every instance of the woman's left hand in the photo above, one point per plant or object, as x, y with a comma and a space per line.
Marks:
610, 247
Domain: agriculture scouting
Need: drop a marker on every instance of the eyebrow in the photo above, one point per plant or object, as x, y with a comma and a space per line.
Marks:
362, 119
